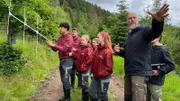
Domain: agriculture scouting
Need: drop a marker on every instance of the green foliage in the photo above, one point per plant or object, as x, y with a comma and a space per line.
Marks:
171, 38
118, 67
48, 16
122, 6
156, 5
85, 16
118, 28
3, 9
79, 13
117, 24
147, 20
21, 85
11, 60
171, 93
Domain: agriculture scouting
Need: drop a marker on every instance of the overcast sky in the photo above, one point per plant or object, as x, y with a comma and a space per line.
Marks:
138, 6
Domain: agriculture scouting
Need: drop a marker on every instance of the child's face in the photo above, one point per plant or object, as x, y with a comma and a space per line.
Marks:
94, 43
100, 39
74, 33
84, 41
62, 30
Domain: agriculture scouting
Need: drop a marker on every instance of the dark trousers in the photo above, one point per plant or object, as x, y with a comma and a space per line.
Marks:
84, 84
65, 72
73, 74
135, 88
99, 88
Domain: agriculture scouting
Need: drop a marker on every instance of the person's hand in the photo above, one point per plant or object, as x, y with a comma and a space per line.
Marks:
49, 43
155, 73
117, 48
160, 14
70, 54
74, 49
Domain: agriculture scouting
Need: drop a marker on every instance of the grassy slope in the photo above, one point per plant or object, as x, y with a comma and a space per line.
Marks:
21, 85
171, 90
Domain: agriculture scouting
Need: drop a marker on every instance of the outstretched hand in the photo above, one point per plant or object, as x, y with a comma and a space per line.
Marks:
161, 13
49, 43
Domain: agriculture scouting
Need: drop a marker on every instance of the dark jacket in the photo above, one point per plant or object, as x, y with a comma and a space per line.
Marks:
137, 49
102, 65
159, 55
83, 58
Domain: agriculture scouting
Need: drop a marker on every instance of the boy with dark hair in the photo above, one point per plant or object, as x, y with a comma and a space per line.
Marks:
162, 64
64, 46
65, 25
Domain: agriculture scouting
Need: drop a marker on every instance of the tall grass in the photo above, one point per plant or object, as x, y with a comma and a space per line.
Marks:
118, 68
171, 89
22, 85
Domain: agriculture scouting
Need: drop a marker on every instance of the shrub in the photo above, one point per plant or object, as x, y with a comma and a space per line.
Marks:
11, 60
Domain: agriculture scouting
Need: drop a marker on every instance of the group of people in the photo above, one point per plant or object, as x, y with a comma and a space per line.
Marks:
77, 54
146, 60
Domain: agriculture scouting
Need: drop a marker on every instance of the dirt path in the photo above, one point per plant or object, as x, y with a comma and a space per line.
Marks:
117, 88
51, 88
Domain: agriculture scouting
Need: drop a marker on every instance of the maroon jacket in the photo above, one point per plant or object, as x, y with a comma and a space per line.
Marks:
83, 58
95, 48
64, 46
102, 64
77, 42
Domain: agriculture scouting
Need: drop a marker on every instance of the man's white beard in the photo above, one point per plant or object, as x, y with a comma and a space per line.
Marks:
133, 26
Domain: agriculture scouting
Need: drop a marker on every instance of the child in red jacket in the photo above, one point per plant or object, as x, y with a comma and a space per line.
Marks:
102, 68
64, 46
94, 46
83, 58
